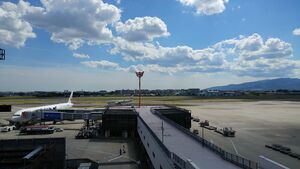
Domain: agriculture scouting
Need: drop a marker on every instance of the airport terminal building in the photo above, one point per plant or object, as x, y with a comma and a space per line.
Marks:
163, 132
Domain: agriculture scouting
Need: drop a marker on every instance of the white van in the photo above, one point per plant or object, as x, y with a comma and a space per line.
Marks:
7, 128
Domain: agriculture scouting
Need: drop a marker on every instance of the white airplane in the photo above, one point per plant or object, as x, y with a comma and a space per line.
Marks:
119, 102
24, 115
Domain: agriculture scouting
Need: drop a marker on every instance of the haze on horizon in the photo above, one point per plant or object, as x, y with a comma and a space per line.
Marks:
97, 45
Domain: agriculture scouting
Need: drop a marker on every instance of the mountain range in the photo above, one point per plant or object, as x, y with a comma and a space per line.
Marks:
263, 85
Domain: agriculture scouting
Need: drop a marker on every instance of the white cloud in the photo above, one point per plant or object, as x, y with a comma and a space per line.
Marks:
107, 65
118, 2
142, 29
168, 56
206, 7
243, 56
266, 67
71, 24
152, 68
135, 50
253, 47
81, 55
176, 69
296, 32
103, 64
75, 22
14, 30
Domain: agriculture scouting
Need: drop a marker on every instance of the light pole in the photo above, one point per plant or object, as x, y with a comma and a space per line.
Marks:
162, 131
139, 75
202, 136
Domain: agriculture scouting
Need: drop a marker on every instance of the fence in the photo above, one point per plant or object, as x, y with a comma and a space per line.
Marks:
237, 160
179, 161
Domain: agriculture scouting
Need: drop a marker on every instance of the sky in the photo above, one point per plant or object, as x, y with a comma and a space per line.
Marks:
99, 44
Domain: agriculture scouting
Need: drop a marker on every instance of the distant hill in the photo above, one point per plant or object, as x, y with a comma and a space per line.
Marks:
263, 85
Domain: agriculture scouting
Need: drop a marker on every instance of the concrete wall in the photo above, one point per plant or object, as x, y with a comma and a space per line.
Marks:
158, 157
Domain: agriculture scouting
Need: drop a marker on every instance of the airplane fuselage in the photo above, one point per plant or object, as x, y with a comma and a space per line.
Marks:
24, 115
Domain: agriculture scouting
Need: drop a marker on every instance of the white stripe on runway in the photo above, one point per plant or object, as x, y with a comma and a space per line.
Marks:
234, 147
115, 158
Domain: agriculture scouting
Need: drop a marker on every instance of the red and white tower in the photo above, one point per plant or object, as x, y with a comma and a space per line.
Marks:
139, 75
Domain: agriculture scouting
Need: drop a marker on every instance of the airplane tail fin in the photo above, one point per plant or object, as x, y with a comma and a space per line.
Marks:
70, 98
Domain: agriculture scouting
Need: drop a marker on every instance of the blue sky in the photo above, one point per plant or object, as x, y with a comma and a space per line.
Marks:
95, 45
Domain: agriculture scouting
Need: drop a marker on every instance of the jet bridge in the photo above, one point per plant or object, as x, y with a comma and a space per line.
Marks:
60, 116
66, 114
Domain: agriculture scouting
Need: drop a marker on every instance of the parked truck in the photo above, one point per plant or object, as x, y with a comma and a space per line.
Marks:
37, 129
228, 132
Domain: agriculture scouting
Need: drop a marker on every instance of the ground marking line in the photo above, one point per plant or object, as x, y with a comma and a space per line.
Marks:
115, 158
234, 147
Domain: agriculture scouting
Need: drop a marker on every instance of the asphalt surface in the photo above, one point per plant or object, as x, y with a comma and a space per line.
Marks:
257, 123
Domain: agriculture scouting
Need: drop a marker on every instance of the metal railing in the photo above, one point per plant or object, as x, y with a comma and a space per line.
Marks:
235, 159
179, 161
